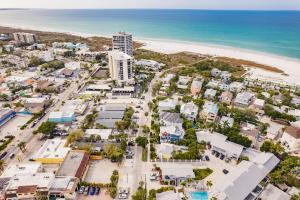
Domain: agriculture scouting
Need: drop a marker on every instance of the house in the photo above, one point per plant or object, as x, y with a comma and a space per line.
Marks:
210, 93
244, 178
295, 113
168, 78
74, 164
213, 84
62, 117
176, 175
171, 133
77, 106
53, 151
225, 76
236, 87
226, 121
291, 138
168, 195
273, 132
210, 111
170, 119
183, 82
250, 130
273, 193
266, 94
167, 104
149, 64
244, 99
35, 105
165, 150
226, 97
277, 99
223, 86
189, 110
258, 106
220, 144
295, 101
196, 86
6, 114
215, 72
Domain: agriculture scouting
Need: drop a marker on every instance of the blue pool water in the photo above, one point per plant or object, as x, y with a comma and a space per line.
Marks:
199, 196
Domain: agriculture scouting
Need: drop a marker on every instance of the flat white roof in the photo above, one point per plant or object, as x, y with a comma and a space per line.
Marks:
53, 148
104, 133
35, 100
183, 170
273, 193
42, 180
21, 168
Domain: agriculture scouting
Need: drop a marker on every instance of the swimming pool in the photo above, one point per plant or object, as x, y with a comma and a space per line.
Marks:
199, 196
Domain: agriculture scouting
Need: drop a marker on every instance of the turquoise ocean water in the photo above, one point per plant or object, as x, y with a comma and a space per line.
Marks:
276, 32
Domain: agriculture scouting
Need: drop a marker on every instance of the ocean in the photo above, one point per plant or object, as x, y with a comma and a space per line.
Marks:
275, 32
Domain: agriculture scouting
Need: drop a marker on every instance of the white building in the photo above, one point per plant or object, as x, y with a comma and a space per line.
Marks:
189, 110
25, 38
242, 180
210, 111
120, 67
21, 168
244, 99
236, 86
123, 42
167, 104
226, 121
291, 138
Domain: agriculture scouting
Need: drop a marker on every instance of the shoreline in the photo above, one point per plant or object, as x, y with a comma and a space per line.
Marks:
285, 68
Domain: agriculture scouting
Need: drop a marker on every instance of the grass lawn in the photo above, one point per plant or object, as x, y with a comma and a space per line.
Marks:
201, 174
145, 154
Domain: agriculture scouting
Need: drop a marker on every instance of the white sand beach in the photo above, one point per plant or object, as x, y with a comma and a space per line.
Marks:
288, 65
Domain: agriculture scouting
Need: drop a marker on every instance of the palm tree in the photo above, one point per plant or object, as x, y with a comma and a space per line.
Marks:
22, 146
209, 184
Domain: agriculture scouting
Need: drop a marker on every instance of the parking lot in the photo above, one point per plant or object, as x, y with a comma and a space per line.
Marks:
12, 127
100, 171
102, 196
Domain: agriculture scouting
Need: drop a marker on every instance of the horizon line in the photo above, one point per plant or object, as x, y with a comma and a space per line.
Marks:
204, 9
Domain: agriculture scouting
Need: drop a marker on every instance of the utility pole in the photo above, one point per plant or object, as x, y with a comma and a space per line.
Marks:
145, 198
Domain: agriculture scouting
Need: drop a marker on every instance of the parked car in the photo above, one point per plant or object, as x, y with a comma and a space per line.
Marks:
207, 158
97, 191
222, 157
3, 155
225, 171
130, 143
81, 190
129, 156
12, 156
92, 191
86, 190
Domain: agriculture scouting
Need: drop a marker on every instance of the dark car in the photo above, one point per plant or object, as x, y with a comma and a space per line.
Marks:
225, 171
12, 156
97, 191
130, 143
92, 191
206, 158
81, 190
129, 156
222, 157
3, 155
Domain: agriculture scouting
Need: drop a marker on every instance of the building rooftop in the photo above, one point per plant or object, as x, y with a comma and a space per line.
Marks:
273, 193
103, 133
74, 164
184, 170
52, 148
168, 196
171, 117
293, 131
21, 168
41, 180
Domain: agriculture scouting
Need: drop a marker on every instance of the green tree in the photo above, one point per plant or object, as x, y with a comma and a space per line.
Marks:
141, 141
269, 146
141, 193
22, 146
46, 128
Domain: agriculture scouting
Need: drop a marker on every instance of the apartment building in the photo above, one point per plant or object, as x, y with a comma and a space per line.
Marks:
123, 42
25, 38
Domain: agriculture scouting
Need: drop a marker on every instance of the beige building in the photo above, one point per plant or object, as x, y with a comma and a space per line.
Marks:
291, 138
120, 67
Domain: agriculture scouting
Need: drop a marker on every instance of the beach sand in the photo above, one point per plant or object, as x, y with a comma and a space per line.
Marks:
289, 66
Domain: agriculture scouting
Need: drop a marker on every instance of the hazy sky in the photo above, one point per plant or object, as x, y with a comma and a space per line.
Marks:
194, 4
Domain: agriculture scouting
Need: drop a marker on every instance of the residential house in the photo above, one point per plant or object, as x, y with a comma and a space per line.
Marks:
213, 84
210, 93
258, 106
171, 133
291, 138
273, 193
183, 82
295, 101
167, 104
295, 113
215, 72
165, 150
189, 110
170, 119
236, 87
273, 132
168, 78
244, 99
220, 144
209, 111
225, 76
226, 97
168, 195
102, 133
150, 64
223, 86
196, 86
266, 94
175, 175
